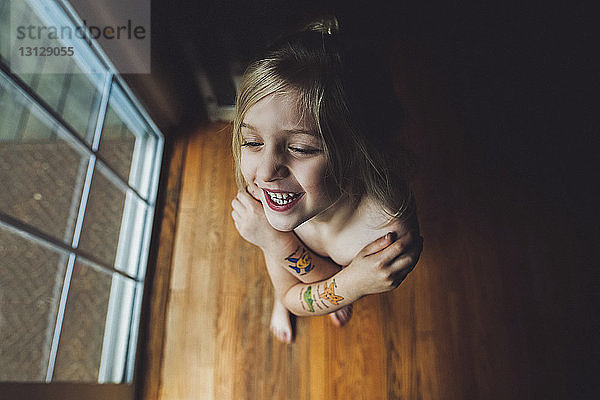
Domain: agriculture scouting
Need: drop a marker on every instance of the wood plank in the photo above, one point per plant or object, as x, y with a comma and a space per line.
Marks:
158, 277
475, 319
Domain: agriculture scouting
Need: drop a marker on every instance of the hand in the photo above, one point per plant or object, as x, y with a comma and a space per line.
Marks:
250, 220
383, 264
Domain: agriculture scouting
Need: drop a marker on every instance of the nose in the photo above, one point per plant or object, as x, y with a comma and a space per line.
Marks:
271, 167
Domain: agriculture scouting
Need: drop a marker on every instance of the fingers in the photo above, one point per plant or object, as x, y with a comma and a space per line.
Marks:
406, 261
243, 200
236, 204
377, 245
400, 246
245, 207
390, 246
238, 209
253, 191
399, 277
247, 198
396, 270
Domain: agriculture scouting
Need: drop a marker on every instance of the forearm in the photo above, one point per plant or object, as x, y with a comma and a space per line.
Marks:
320, 298
294, 268
291, 255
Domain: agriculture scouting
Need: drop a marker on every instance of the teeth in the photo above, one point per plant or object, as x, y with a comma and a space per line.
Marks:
282, 198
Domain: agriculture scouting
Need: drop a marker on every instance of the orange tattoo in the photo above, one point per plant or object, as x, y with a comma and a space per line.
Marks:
329, 294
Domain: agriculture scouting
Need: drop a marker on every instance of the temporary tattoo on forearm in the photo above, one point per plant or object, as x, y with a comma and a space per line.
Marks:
302, 302
321, 297
301, 261
329, 294
308, 299
315, 301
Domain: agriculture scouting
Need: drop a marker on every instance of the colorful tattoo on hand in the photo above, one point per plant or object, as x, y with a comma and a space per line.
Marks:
301, 263
308, 299
329, 294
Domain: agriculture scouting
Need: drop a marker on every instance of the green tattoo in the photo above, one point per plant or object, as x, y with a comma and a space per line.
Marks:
308, 299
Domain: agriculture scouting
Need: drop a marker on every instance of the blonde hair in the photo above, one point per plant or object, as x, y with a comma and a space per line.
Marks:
320, 69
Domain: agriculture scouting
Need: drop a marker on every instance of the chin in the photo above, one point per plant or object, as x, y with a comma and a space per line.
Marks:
283, 224
286, 222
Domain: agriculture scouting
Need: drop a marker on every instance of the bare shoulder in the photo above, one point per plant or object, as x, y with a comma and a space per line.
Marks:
378, 222
370, 222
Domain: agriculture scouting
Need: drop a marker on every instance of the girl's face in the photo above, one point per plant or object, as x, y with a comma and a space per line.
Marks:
283, 156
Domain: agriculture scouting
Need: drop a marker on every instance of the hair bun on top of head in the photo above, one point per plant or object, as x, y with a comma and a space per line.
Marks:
303, 34
329, 26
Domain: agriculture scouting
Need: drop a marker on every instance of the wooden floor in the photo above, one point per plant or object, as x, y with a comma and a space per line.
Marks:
485, 315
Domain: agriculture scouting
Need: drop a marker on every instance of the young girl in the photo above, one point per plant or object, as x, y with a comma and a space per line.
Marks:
323, 184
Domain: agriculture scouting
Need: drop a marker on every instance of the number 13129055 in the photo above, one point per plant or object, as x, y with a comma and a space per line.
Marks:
46, 51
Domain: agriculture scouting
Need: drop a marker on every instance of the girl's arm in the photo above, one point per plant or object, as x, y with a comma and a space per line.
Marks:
318, 298
282, 250
379, 267
286, 274
291, 255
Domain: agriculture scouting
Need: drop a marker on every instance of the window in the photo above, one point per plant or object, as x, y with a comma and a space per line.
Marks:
79, 166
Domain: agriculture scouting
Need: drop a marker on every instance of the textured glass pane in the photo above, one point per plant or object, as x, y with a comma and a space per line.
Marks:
114, 224
81, 103
41, 170
80, 346
31, 280
73, 96
59, 80
126, 143
102, 221
117, 143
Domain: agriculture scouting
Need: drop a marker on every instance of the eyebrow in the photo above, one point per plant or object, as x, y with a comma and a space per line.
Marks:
292, 131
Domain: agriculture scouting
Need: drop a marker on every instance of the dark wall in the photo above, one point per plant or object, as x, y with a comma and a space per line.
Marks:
522, 83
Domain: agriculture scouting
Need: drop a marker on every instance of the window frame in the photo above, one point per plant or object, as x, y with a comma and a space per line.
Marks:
112, 80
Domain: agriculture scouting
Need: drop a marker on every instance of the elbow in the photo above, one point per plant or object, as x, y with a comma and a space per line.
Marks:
290, 302
289, 306
295, 313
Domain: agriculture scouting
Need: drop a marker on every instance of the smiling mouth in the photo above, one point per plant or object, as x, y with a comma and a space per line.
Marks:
281, 201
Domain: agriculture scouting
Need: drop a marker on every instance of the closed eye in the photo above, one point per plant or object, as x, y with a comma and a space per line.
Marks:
304, 150
251, 144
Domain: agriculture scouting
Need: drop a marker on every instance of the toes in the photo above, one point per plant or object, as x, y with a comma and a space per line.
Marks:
335, 320
281, 324
341, 316
283, 335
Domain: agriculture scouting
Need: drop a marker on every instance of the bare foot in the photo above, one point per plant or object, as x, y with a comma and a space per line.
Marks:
341, 316
281, 325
